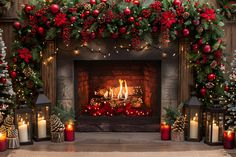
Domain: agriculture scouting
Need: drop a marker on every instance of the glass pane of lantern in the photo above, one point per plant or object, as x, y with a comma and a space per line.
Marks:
43, 116
194, 119
23, 122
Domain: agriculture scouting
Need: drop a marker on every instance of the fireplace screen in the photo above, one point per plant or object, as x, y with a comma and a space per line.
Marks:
118, 88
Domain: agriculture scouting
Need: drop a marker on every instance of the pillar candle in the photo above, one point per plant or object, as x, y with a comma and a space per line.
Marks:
229, 137
165, 131
23, 132
69, 132
194, 127
42, 129
215, 133
3, 142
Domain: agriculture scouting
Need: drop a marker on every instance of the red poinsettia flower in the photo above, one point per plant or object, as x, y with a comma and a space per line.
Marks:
25, 54
156, 5
209, 14
146, 13
60, 19
168, 18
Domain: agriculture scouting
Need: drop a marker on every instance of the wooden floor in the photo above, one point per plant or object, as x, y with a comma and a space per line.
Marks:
125, 142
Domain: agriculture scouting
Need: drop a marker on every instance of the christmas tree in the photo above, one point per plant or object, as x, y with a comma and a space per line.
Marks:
6, 91
230, 89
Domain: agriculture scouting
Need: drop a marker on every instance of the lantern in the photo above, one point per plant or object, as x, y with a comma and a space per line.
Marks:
214, 125
23, 121
41, 117
194, 119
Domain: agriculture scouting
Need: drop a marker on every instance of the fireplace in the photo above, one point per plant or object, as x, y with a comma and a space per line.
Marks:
123, 92
128, 91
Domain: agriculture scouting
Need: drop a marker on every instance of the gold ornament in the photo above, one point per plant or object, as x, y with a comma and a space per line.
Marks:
87, 7
200, 29
101, 6
186, 15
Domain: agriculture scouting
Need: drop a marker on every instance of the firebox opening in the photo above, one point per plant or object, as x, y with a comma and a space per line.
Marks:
124, 89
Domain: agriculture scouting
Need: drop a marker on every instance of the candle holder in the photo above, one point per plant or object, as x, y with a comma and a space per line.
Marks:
23, 121
3, 141
69, 131
41, 115
165, 131
194, 119
214, 125
229, 137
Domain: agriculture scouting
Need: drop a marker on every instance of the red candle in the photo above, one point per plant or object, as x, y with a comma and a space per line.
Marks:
165, 131
69, 132
229, 139
3, 142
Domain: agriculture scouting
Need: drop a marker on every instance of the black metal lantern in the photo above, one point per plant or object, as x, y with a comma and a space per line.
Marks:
41, 117
23, 121
214, 124
194, 119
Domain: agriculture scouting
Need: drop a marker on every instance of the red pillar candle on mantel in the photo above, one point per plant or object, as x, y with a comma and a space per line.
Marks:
70, 132
3, 142
165, 131
229, 137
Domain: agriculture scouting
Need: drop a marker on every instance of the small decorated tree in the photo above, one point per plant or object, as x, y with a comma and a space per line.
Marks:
6, 91
230, 90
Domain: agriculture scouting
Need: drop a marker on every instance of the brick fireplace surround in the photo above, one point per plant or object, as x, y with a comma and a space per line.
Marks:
79, 75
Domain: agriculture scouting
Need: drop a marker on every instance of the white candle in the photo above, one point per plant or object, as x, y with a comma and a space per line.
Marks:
42, 129
194, 127
23, 132
215, 133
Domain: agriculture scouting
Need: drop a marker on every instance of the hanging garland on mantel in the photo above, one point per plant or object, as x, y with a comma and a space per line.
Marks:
133, 20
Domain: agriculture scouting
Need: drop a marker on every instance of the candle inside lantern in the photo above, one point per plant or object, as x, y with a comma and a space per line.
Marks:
69, 132
194, 127
3, 142
229, 137
23, 131
165, 131
215, 132
42, 129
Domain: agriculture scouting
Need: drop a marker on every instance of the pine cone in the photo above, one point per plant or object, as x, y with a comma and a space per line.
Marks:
8, 122
28, 72
101, 6
12, 132
87, 7
186, 15
200, 29
56, 124
1, 118
178, 125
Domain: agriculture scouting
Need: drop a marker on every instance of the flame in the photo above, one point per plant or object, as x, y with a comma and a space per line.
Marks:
111, 91
126, 90
120, 91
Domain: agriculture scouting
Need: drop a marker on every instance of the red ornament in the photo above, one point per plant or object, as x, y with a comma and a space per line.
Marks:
104, 1
140, 18
195, 47
17, 25
200, 42
127, 11
14, 59
54, 8
137, 24
185, 32
203, 91
48, 23
93, 2
82, 16
13, 74
95, 12
211, 77
226, 88
7, 67
196, 22
3, 80
92, 35
207, 48
87, 12
154, 29
136, 2
73, 19
127, 1
131, 19
177, 2
28, 8
122, 30
41, 30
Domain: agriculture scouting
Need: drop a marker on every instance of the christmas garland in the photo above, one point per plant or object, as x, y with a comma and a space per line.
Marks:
134, 20
4, 4
228, 8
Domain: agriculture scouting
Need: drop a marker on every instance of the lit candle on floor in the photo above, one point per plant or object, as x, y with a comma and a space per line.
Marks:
215, 132
229, 137
70, 132
42, 129
23, 132
165, 131
3, 142
194, 127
